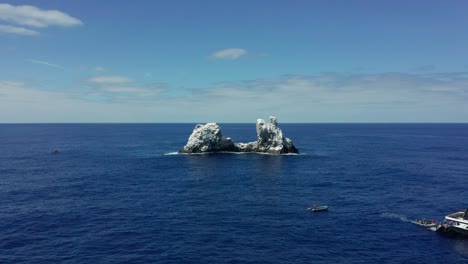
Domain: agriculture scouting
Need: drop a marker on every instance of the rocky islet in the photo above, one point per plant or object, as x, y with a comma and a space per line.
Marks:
270, 139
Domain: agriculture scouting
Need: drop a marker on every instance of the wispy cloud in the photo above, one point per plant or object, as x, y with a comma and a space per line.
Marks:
18, 30
122, 93
110, 79
34, 17
228, 54
30, 104
122, 89
116, 88
100, 69
46, 63
382, 97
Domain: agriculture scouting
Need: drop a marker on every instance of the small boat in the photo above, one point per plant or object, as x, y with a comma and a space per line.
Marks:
318, 208
424, 223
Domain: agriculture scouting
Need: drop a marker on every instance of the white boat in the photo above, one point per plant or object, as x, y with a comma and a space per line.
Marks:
424, 223
317, 208
456, 224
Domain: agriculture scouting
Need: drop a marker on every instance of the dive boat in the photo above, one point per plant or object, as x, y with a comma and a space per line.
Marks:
318, 208
424, 223
455, 224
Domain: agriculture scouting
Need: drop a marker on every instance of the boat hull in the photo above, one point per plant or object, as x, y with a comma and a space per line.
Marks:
424, 224
318, 209
452, 231
455, 224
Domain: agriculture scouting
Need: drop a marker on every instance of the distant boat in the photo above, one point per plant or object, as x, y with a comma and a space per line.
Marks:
55, 151
318, 208
424, 223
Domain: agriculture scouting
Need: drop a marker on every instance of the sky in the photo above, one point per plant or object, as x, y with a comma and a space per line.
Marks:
233, 61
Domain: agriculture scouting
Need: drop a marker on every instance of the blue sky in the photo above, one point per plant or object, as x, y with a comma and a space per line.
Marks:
233, 61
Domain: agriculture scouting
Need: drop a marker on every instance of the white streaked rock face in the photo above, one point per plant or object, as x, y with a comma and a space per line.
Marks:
207, 138
270, 139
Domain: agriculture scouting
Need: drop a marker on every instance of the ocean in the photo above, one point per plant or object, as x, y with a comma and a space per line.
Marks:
119, 193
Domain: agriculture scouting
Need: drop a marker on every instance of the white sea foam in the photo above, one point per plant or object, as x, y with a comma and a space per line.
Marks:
236, 153
395, 216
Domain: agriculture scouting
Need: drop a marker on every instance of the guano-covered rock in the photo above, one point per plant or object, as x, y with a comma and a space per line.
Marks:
270, 139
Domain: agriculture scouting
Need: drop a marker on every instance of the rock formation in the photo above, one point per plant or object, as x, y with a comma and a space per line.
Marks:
207, 138
270, 139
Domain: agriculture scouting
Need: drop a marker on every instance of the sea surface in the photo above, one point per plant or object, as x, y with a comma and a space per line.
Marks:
118, 193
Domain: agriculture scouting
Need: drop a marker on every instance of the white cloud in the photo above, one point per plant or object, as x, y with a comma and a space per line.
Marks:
46, 63
229, 54
110, 79
34, 17
18, 30
100, 69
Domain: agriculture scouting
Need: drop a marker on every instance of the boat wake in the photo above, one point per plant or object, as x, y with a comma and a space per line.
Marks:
395, 216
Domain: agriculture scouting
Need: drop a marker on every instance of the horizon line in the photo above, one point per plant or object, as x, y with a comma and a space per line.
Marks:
143, 123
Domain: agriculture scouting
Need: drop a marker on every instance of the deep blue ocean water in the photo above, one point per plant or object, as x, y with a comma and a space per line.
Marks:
116, 193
